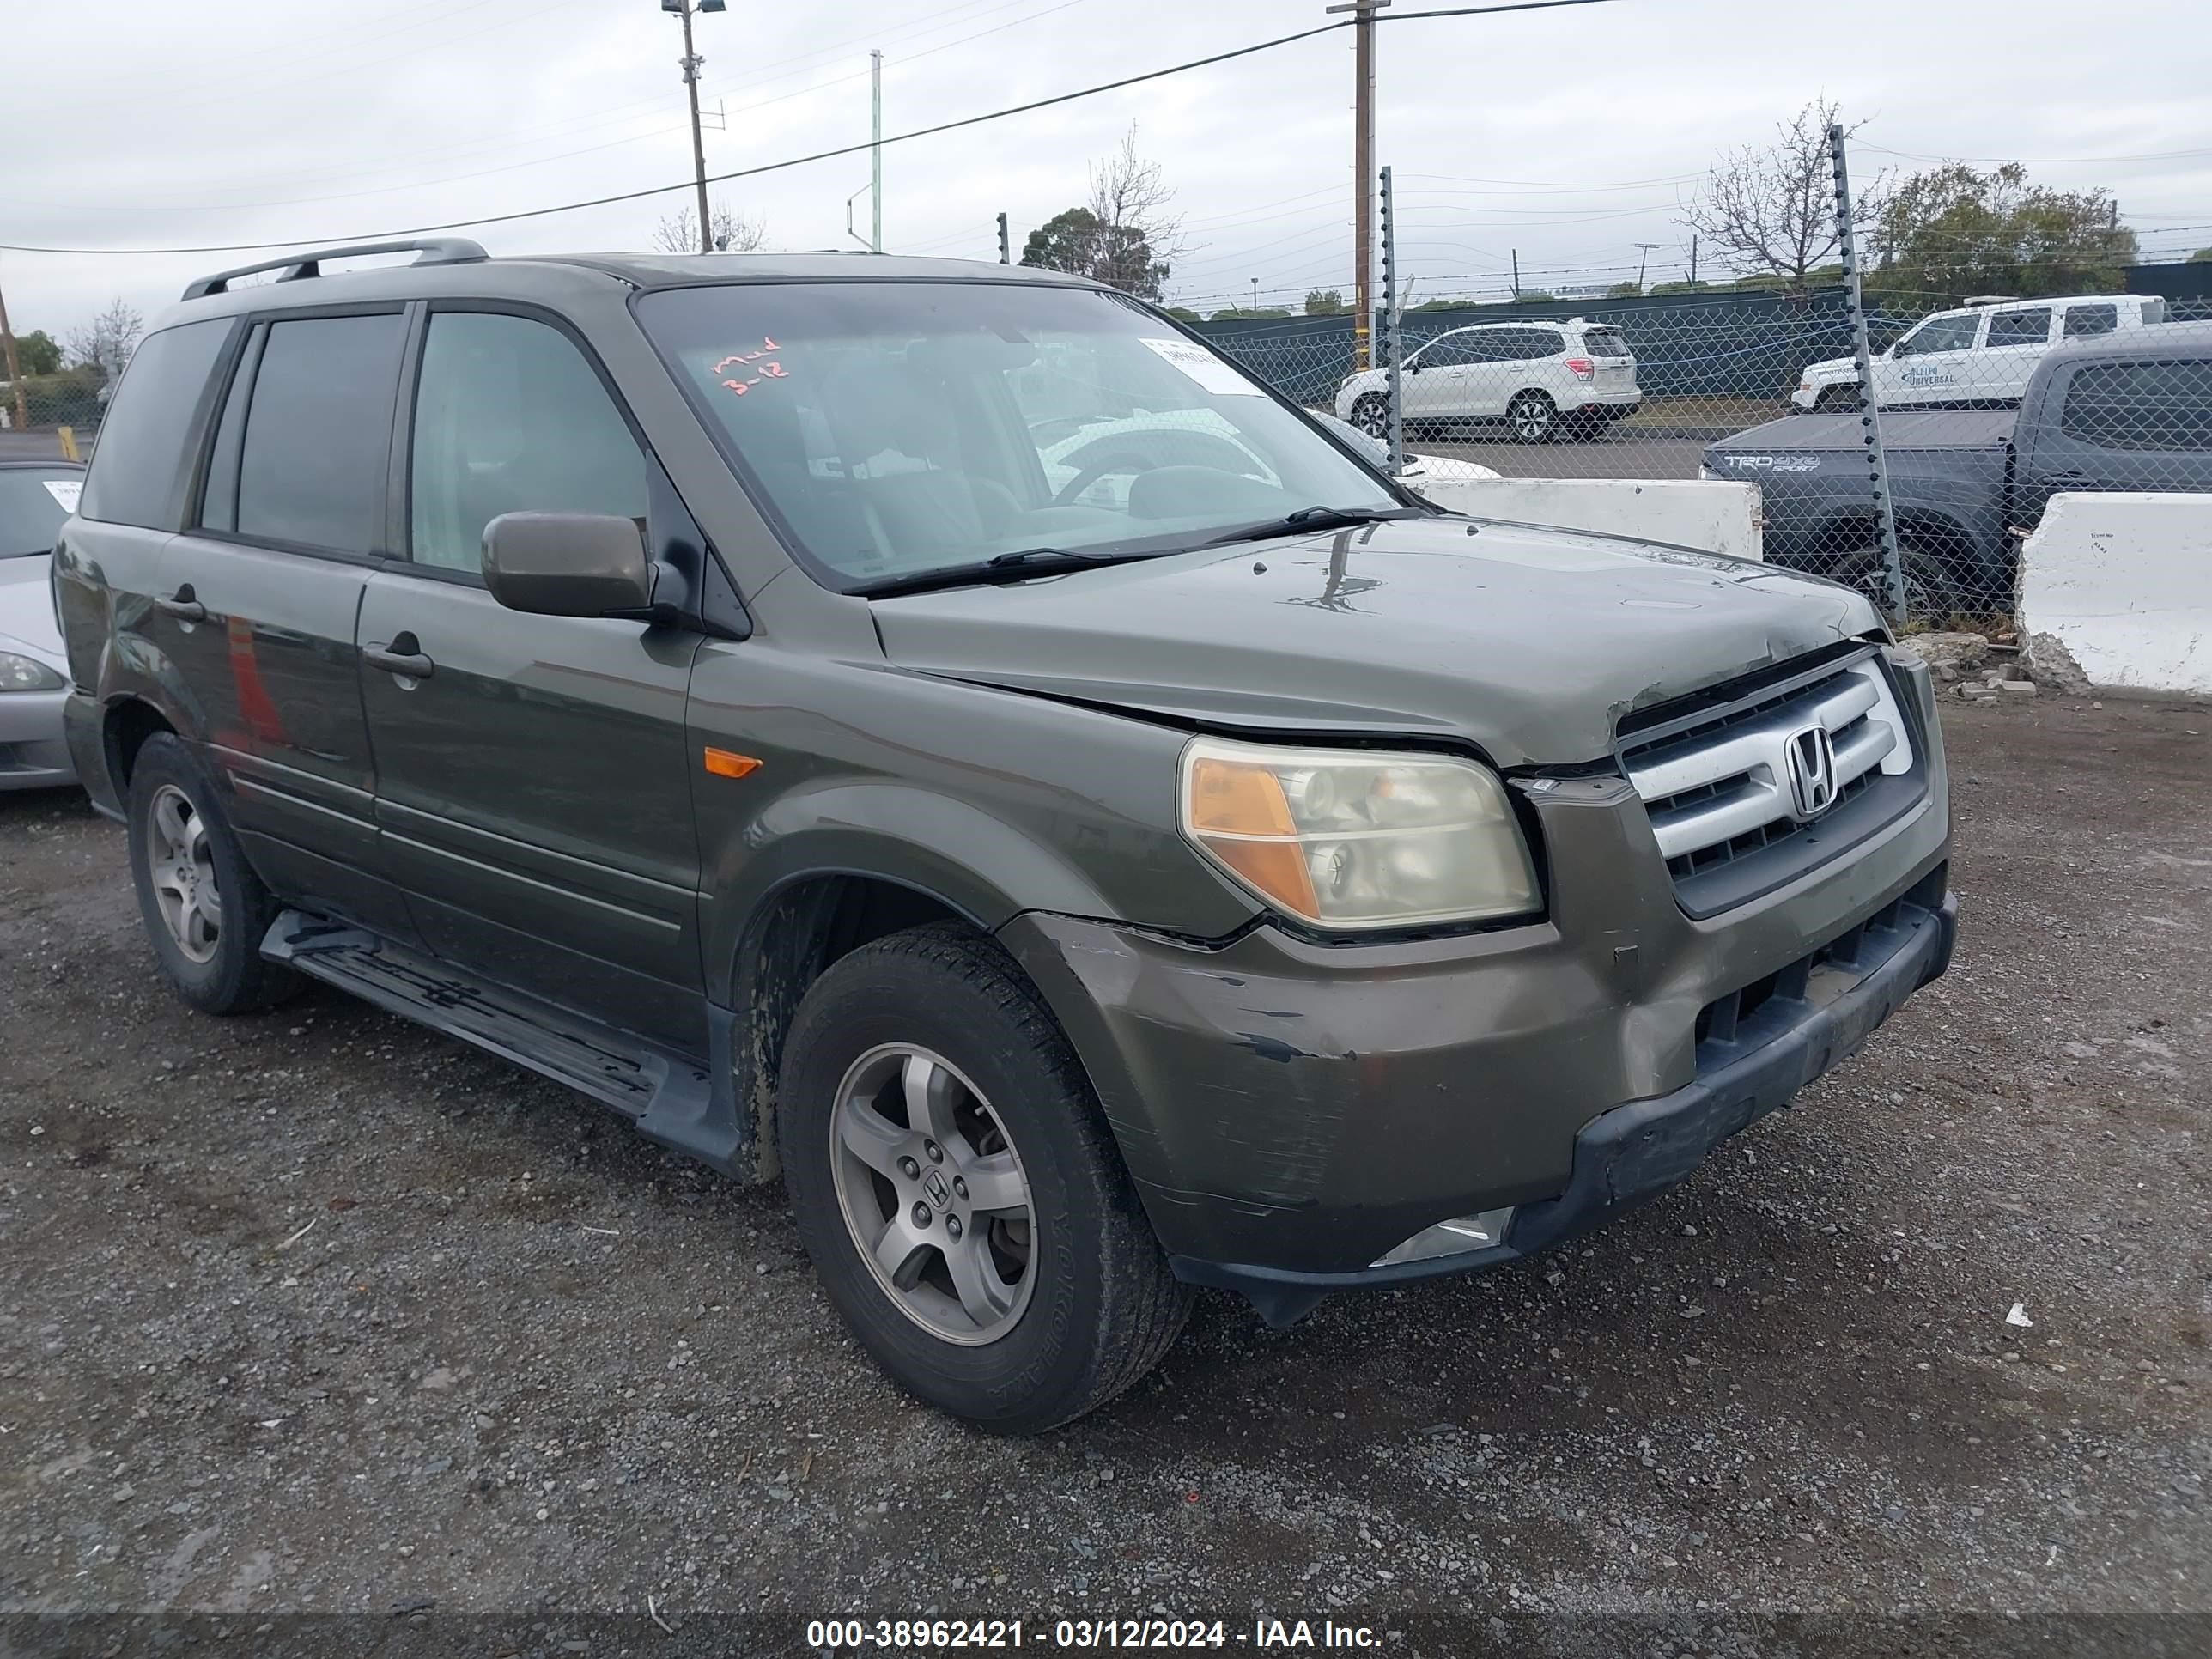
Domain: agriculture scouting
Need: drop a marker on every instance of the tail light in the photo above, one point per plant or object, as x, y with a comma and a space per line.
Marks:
1582, 368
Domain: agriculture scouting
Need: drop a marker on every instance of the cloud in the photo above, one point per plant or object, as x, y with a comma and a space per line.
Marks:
249, 120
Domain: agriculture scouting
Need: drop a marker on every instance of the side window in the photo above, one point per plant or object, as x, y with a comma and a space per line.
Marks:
142, 468
2138, 407
1455, 350
311, 464
510, 417
1940, 334
2085, 322
2016, 328
1539, 342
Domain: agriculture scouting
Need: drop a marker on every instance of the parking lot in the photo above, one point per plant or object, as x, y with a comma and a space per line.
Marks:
317, 1310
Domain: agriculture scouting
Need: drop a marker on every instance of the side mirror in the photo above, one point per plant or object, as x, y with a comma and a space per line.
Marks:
568, 564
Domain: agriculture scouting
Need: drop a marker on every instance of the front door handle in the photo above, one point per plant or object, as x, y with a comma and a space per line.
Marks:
402, 656
184, 607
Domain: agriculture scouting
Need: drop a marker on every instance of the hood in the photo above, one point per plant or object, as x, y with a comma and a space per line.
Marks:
1831, 368
27, 608
1530, 643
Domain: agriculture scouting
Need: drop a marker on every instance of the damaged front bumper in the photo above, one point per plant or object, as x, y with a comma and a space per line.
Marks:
1297, 1114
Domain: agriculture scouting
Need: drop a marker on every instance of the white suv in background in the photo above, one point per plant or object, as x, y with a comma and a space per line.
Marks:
1540, 378
1981, 353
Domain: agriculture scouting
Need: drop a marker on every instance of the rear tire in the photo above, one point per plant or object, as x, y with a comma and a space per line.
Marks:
1370, 413
205, 909
1533, 417
1037, 1292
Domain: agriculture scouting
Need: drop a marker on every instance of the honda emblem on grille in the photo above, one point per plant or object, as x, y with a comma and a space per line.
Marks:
1809, 756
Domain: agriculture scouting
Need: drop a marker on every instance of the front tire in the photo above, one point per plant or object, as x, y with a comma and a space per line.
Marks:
1930, 594
1370, 413
1533, 417
957, 1191
205, 909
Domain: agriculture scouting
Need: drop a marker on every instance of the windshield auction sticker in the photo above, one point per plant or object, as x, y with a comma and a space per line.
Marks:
65, 490
1203, 366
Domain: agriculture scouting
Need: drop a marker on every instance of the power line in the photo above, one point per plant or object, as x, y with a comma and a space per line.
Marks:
826, 155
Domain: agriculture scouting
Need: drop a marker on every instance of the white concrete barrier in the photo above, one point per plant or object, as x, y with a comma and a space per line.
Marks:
1716, 517
2125, 582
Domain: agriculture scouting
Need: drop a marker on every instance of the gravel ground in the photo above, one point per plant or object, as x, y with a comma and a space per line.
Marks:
318, 1312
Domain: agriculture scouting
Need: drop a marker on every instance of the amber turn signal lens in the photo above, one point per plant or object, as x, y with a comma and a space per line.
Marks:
728, 764
1238, 810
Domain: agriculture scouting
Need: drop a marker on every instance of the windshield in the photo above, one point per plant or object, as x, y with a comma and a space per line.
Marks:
34, 502
899, 428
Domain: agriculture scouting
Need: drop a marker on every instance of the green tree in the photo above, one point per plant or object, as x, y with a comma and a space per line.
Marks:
1660, 289
1248, 313
1078, 241
1123, 236
2202, 257
1325, 302
37, 353
1536, 296
1625, 291
1183, 314
1953, 231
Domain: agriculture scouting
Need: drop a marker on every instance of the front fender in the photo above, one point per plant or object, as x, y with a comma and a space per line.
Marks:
986, 869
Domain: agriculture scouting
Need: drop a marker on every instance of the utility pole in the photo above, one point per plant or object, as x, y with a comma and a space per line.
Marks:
1006, 243
876, 143
1363, 173
1255, 294
14, 369
1693, 259
1644, 264
691, 60
1517, 273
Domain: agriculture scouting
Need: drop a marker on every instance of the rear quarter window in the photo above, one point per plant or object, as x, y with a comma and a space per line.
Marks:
2141, 405
142, 465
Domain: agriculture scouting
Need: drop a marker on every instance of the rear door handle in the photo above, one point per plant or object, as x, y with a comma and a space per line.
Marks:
184, 607
402, 656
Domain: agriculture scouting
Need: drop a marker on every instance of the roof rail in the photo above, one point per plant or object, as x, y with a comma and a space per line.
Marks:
437, 251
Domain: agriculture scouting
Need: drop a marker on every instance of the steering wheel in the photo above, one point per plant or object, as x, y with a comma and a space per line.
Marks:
1119, 453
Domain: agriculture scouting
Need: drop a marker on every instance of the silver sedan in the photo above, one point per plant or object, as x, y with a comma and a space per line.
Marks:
35, 498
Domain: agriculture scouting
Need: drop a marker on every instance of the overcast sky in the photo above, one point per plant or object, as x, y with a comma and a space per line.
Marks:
1568, 135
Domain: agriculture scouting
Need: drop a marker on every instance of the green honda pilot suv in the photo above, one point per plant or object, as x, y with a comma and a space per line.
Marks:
939, 734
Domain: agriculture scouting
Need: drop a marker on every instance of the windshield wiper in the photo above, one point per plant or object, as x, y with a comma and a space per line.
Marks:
1018, 566
1315, 518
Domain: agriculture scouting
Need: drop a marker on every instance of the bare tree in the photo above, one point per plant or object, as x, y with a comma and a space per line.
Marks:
734, 232
1135, 236
107, 342
1771, 209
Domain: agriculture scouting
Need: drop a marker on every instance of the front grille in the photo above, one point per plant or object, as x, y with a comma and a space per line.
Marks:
1718, 789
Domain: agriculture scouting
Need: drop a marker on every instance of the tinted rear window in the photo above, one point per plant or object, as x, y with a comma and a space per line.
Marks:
1604, 342
34, 502
311, 469
142, 465
2135, 406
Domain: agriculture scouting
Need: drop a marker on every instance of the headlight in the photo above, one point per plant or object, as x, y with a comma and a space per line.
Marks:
19, 673
1347, 838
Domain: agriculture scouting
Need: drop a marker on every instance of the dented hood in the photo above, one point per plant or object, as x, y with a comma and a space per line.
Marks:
1529, 643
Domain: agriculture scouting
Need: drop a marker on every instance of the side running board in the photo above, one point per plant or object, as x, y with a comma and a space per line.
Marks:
670, 1098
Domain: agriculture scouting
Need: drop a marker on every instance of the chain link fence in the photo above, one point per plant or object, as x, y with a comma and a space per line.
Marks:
51, 414
1986, 407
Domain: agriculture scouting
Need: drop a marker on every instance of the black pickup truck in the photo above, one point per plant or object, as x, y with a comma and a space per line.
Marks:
2129, 411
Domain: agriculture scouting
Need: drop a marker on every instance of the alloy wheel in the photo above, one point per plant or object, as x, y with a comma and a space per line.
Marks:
182, 865
1372, 416
1532, 418
933, 1193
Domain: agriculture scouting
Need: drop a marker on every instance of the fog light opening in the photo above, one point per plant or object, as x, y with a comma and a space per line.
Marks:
1461, 1234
